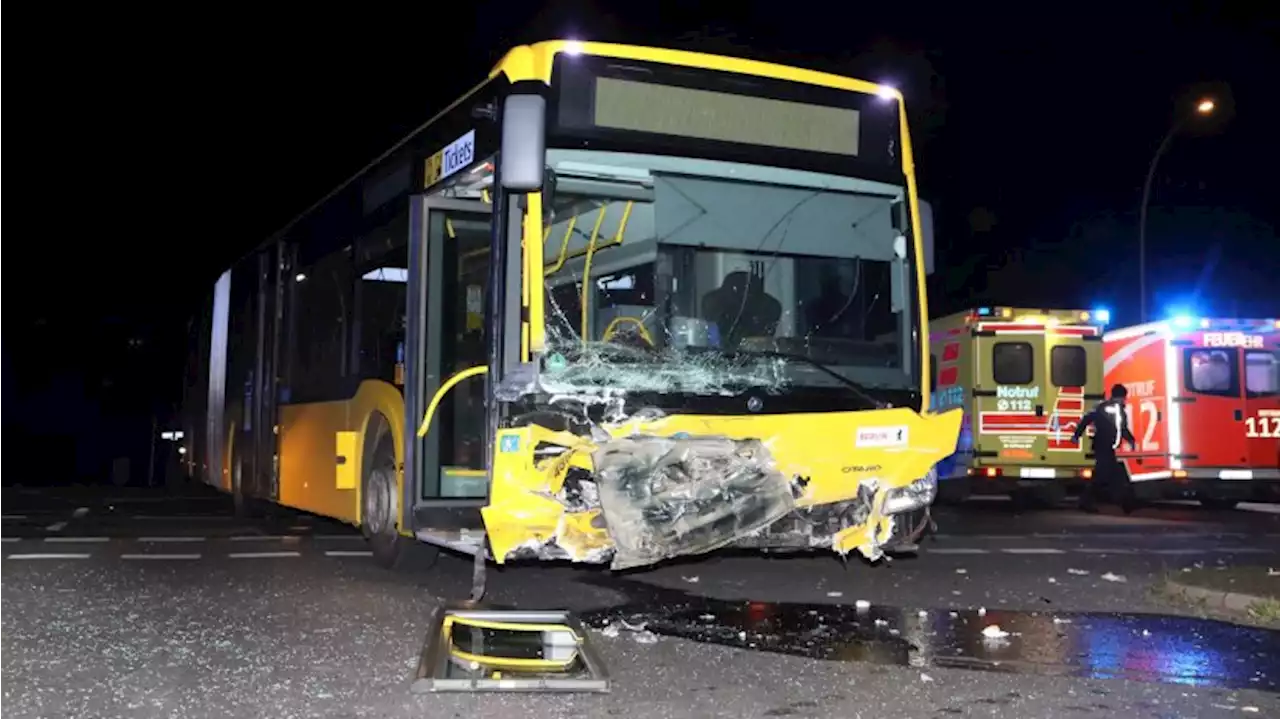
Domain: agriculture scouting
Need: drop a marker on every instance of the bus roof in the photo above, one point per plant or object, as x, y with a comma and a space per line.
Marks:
535, 61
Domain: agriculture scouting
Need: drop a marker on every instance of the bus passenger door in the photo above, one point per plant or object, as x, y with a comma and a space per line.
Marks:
449, 259
264, 427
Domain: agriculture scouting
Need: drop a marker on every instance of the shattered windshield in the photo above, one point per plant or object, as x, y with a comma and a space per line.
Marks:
673, 275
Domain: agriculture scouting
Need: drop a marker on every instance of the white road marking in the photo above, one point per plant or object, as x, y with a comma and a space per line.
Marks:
347, 553
159, 556
48, 556
957, 550
1245, 550
339, 537
15, 516
80, 512
169, 540
1188, 550
1032, 550
1105, 550
56, 527
181, 517
10, 539
77, 540
262, 555
1136, 536
258, 537
1257, 507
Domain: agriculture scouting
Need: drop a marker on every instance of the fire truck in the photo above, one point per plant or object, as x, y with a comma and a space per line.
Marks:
1204, 405
1024, 378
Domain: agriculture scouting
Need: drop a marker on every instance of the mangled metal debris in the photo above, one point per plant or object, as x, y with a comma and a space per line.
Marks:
665, 497
599, 474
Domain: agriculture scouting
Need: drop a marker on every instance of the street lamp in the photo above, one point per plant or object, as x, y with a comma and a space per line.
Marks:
1204, 108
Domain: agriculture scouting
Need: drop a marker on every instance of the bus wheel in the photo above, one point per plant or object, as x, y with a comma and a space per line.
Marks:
1217, 502
381, 508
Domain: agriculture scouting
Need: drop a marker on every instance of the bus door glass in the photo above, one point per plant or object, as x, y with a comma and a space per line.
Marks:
1212, 398
1261, 371
453, 260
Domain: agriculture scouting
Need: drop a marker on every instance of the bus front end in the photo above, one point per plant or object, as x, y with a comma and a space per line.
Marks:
722, 315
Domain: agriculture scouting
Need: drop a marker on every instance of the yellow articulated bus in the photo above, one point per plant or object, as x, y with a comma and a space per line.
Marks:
615, 305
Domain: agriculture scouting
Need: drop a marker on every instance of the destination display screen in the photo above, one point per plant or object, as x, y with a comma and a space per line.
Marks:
631, 106
687, 112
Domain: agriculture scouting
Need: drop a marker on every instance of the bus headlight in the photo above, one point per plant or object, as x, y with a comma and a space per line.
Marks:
916, 495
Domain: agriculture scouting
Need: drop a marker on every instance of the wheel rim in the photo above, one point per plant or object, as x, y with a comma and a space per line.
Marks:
380, 502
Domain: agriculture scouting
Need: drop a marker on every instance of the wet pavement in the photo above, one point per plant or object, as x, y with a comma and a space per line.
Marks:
170, 607
1140, 647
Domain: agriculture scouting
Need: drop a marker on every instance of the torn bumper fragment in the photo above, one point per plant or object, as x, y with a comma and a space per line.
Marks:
664, 497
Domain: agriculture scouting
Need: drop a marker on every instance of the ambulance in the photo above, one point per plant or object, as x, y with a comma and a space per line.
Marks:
1204, 405
1024, 378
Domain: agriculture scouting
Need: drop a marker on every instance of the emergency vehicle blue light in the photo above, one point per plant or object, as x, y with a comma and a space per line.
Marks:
1183, 320
1102, 315
984, 311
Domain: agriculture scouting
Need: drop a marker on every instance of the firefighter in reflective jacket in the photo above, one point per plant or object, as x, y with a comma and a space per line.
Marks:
1111, 426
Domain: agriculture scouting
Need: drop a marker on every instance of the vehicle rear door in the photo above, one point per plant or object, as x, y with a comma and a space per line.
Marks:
1074, 371
1009, 399
1210, 395
1260, 369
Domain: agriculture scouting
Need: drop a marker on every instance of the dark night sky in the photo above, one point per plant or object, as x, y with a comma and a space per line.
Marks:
160, 148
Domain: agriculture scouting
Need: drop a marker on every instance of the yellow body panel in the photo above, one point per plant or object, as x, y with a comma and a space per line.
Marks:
348, 472
822, 448
309, 472
227, 456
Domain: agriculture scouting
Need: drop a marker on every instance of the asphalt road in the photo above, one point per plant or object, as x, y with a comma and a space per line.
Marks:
129, 603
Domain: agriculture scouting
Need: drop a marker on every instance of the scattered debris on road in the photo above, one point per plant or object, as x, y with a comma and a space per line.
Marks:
994, 631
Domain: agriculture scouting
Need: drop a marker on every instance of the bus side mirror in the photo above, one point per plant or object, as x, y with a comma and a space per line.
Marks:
523, 154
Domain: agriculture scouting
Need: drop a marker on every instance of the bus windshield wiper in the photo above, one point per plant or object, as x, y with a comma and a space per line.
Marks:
861, 390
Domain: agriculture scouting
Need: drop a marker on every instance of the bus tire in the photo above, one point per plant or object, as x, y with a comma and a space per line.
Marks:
380, 509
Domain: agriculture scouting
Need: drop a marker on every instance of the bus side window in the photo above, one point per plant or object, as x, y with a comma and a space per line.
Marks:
382, 259
1011, 363
322, 307
933, 376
